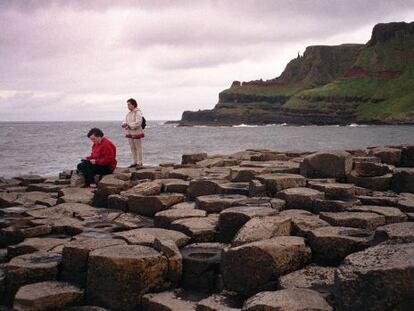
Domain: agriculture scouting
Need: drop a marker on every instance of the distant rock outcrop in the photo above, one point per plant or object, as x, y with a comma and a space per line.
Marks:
348, 83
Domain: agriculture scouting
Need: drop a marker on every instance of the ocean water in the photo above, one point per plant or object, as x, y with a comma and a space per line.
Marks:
46, 148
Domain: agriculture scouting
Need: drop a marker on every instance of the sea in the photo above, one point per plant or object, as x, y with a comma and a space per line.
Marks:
47, 148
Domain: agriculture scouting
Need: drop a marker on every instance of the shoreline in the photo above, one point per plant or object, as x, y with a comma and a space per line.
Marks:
306, 214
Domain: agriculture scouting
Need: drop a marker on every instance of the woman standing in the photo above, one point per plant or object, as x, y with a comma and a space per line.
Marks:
134, 132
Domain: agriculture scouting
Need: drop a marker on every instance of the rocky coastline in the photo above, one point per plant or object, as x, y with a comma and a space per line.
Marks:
254, 230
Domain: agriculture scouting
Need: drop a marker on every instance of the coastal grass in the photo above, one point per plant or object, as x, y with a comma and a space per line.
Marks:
264, 91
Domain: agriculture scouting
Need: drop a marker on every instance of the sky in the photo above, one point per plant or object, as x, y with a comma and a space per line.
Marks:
73, 60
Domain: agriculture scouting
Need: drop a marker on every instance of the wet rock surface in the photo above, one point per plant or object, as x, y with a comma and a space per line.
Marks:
255, 230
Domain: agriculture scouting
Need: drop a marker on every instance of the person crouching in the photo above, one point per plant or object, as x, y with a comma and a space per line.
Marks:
102, 160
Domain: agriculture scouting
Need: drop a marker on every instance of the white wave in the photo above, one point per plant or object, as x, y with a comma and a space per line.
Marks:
245, 125
357, 125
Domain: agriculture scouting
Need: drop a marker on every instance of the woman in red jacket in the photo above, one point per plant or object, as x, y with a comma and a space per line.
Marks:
102, 160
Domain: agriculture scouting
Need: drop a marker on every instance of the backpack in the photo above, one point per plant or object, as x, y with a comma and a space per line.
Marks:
143, 123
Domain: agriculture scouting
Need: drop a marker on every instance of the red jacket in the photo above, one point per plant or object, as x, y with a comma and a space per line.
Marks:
104, 153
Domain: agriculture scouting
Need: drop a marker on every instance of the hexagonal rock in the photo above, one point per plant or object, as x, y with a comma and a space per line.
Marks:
330, 245
300, 198
149, 173
174, 185
233, 218
32, 245
234, 188
166, 301
279, 181
220, 302
144, 188
200, 229
117, 201
368, 169
318, 278
379, 278
215, 203
398, 232
47, 296
134, 270
320, 205
75, 258
30, 179
391, 214
262, 228
44, 187
163, 219
60, 211
183, 205
147, 236
378, 200
250, 267
296, 299
403, 180
246, 174
335, 191
175, 262
75, 195
326, 164
203, 186
30, 268
193, 158
380, 183
186, 173
149, 205
406, 202
303, 222
362, 220
387, 155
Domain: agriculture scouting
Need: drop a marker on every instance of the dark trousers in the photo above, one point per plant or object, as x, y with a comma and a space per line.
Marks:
89, 170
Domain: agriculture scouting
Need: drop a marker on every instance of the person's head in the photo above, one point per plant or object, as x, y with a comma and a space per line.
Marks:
132, 104
95, 135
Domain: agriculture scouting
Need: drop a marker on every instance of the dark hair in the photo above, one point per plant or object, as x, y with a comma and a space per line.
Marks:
133, 102
95, 131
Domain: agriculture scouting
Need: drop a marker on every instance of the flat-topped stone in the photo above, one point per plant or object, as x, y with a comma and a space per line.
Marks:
330, 245
391, 214
30, 268
165, 218
75, 257
166, 301
218, 202
150, 205
233, 218
295, 299
362, 220
397, 232
51, 295
262, 228
135, 270
378, 278
300, 198
318, 278
303, 222
200, 229
252, 266
279, 181
147, 236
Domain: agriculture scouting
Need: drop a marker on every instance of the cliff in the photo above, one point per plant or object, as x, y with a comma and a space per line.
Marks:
371, 83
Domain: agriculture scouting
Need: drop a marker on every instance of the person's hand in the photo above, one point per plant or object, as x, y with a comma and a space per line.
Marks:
124, 125
93, 161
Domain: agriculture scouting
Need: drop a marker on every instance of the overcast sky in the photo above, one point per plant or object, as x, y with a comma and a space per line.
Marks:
81, 60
